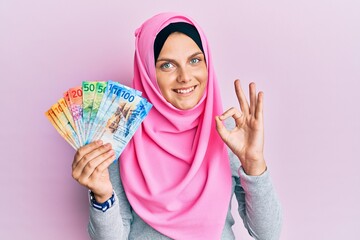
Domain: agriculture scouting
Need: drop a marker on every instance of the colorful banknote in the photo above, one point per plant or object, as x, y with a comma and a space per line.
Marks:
100, 91
95, 110
65, 124
76, 108
51, 117
117, 95
88, 89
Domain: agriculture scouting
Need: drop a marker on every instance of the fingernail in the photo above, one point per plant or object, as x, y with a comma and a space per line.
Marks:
99, 142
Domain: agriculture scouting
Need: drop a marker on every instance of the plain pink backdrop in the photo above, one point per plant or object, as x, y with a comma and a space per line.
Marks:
305, 56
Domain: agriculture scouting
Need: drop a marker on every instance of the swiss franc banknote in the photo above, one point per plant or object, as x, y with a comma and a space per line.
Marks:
97, 110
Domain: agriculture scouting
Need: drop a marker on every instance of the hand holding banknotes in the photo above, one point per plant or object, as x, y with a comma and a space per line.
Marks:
105, 115
90, 168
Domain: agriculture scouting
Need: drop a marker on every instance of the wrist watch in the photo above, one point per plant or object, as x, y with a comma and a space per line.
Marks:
101, 206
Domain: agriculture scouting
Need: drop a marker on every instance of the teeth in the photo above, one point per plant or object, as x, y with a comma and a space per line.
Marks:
183, 91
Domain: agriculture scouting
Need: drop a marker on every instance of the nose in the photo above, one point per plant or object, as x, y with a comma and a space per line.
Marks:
184, 75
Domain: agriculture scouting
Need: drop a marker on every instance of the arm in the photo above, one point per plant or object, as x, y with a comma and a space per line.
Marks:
258, 205
94, 168
115, 223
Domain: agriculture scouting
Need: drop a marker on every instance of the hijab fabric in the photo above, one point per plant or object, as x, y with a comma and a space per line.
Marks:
175, 170
182, 27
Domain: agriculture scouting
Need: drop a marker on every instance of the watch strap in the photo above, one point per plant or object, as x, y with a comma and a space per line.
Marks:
101, 206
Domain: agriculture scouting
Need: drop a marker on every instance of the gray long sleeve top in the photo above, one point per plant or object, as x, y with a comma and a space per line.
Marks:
258, 204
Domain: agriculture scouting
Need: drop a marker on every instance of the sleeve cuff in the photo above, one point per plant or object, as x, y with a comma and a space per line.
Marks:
255, 184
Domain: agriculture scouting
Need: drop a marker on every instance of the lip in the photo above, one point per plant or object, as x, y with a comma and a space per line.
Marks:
184, 91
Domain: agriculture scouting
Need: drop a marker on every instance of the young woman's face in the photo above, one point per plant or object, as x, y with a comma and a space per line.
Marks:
181, 71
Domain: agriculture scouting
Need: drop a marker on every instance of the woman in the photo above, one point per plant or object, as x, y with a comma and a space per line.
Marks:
175, 179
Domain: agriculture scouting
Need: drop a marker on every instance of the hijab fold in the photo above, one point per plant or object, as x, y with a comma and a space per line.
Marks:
175, 170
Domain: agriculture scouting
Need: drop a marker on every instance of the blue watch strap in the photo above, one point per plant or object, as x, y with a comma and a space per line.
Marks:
101, 206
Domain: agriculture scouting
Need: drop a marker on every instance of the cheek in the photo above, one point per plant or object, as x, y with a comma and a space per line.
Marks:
204, 79
203, 83
202, 74
164, 90
160, 79
164, 83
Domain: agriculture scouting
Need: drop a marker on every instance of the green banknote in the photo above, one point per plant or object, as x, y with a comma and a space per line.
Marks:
88, 89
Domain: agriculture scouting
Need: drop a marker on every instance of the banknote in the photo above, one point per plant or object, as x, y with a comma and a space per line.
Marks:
67, 113
123, 121
56, 124
96, 110
111, 95
76, 109
66, 98
109, 105
135, 115
99, 93
65, 123
88, 91
103, 107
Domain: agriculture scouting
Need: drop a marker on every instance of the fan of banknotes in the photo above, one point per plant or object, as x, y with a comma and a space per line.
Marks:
108, 111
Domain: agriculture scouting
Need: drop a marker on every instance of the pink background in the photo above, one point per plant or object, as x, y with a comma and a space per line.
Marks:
305, 56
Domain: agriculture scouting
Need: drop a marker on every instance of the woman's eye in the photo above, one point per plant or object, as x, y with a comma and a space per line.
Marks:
166, 65
194, 60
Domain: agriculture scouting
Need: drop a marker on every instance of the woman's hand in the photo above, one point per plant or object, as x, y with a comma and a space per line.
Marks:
246, 140
90, 169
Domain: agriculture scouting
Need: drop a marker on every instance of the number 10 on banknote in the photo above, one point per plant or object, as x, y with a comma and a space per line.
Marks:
108, 111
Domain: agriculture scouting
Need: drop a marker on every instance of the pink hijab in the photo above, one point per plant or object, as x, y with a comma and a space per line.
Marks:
175, 170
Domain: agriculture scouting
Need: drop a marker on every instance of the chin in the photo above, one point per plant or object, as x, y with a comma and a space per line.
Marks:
184, 106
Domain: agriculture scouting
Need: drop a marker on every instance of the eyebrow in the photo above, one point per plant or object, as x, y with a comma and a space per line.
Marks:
169, 59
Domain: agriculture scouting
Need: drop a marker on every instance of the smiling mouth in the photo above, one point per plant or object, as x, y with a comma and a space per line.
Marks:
184, 90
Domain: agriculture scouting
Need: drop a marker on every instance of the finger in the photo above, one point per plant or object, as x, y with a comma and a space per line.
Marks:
234, 113
101, 167
244, 105
78, 169
85, 150
221, 129
94, 164
89, 156
260, 106
252, 91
